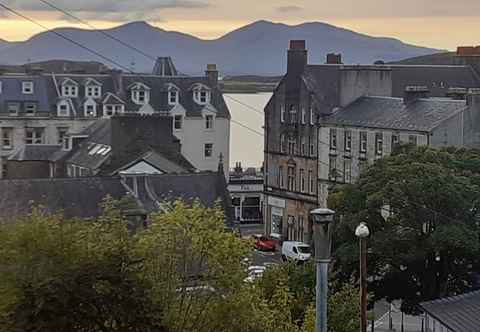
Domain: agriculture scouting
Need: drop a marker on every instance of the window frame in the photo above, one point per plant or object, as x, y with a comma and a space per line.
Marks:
34, 139
31, 111
281, 179
13, 108
303, 115
291, 178
302, 181
379, 144
282, 143
60, 137
6, 130
28, 88
70, 90
209, 122
93, 91
208, 147
363, 142
333, 139
332, 168
311, 182
347, 170
348, 140
293, 114
282, 113
177, 118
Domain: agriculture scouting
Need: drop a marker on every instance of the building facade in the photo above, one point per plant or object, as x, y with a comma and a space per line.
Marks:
304, 154
246, 190
41, 109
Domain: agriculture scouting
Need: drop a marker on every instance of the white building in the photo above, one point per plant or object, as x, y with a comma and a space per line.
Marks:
40, 109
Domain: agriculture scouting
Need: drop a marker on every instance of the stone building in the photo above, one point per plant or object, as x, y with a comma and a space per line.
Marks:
295, 157
246, 189
41, 109
369, 129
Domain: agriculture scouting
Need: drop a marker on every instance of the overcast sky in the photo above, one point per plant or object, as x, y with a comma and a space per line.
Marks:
434, 23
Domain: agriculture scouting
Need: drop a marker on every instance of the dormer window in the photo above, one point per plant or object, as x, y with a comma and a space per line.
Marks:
111, 110
70, 91
30, 109
90, 108
93, 91
27, 88
63, 108
172, 97
140, 93
13, 109
201, 94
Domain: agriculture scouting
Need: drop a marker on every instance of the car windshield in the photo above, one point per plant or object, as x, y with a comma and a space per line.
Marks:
304, 249
264, 238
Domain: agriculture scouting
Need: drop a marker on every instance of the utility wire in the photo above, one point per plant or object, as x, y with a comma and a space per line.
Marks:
151, 57
100, 31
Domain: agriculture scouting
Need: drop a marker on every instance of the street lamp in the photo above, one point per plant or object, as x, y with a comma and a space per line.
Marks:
322, 220
362, 232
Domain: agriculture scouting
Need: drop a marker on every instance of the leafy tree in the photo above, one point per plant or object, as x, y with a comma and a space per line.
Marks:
422, 207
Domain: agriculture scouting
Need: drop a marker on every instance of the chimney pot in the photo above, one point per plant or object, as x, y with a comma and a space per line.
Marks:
333, 58
297, 44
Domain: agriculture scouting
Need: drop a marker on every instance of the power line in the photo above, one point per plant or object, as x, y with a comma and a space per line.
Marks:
64, 37
151, 57
244, 104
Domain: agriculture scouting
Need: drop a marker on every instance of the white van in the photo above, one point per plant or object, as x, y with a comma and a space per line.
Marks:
296, 251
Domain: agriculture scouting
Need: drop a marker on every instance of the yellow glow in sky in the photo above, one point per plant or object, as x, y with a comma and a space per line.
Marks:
437, 32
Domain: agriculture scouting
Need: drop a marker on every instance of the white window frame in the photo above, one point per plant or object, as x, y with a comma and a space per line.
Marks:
86, 111
141, 96
177, 118
205, 150
363, 142
7, 138
333, 139
302, 181
70, 90
35, 139
201, 96
13, 109
112, 109
281, 179
31, 111
303, 116
348, 140
282, 143
378, 144
60, 137
28, 88
173, 97
282, 113
93, 91
347, 170
209, 122
312, 116
63, 112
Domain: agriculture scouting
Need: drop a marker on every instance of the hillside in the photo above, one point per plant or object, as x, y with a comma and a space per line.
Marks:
444, 58
258, 48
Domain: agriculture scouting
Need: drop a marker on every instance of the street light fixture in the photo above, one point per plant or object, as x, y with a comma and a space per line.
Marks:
362, 232
322, 220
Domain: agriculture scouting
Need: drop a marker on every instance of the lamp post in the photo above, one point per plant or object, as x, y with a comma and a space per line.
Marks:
362, 232
322, 220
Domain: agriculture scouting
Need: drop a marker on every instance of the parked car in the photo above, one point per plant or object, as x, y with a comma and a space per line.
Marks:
263, 243
296, 251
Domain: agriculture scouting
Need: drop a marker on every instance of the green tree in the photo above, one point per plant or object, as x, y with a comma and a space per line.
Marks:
422, 207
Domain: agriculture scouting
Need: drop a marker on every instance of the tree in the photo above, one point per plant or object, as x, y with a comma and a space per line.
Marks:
60, 275
422, 207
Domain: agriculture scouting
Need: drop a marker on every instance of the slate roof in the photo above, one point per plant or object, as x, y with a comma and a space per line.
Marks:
459, 313
81, 197
324, 82
392, 113
438, 79
47, 89
35, 153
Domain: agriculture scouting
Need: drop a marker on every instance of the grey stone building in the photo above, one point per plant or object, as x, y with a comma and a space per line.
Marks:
40, 109
297, 152
369, 129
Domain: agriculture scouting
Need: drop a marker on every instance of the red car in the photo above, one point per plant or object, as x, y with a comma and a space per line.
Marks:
263, 243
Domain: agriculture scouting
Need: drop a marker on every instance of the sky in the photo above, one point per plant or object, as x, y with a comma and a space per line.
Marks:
443, 24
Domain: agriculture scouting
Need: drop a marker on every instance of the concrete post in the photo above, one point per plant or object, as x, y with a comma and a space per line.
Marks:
321, 296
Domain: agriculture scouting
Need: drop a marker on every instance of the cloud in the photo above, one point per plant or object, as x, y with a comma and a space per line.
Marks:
288, 9
108, 10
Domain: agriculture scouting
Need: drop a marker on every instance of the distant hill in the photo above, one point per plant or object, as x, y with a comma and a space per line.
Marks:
258, 48
444, 58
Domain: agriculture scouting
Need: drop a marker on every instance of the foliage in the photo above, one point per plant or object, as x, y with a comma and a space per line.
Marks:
422, 207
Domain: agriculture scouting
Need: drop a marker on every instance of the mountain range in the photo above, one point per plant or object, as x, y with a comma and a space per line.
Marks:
258, 48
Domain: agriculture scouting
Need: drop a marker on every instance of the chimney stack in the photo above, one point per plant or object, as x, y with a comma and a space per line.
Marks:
414, 92
334, 59
212, 74
297, 58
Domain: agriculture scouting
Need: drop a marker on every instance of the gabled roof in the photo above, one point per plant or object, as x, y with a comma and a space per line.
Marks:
67, 80
91, 81
138, 86
82, 197
458, 313
392, 113
111, 98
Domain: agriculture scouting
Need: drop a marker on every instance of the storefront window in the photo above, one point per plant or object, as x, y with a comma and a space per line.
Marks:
276, 222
